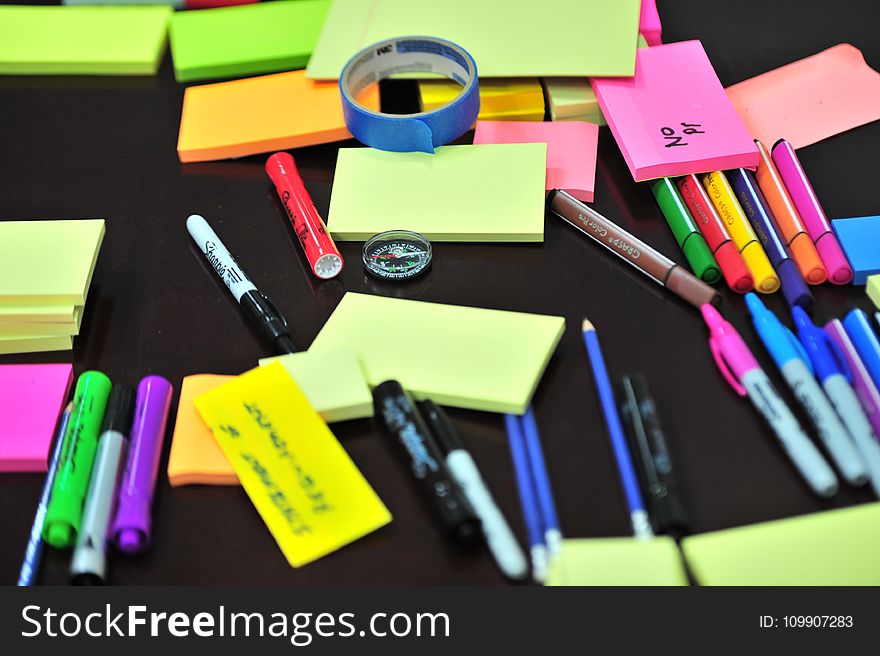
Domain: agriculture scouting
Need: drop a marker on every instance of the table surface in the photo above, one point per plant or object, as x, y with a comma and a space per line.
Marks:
105, 147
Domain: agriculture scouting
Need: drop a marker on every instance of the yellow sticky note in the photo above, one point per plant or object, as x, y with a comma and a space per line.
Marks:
837, 547
486, 192
43, 328
517, 99
458, 356
32, 344
618, 561
309, 493
873, 288
48, 262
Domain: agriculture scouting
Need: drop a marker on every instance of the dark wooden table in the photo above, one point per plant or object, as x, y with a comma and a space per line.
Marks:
105, 147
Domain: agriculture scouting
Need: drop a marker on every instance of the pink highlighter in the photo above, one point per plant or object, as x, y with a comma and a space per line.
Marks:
811, 212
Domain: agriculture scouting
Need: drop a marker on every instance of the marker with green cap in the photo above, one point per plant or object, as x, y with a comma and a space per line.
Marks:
77, 457
685, 230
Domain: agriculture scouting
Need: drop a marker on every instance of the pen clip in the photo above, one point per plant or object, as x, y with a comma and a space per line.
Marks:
796, 344
271, 304
718, 354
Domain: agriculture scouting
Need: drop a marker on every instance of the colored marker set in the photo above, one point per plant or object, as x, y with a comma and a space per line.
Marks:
102, 475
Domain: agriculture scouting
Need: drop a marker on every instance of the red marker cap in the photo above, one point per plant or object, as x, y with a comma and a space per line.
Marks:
734, 268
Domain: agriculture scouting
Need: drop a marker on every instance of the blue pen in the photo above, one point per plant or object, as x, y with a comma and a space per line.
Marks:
834, 374
858, 327
528, 497
638, 515
549, 519
34, 551
793, 363
756, 208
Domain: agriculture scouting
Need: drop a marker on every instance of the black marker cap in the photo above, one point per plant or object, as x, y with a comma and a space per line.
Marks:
120, 408
440, 426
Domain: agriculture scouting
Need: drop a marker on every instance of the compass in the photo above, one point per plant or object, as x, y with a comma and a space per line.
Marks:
397, 255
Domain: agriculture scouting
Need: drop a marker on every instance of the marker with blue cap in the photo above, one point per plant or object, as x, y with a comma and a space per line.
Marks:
834, 374
793, 363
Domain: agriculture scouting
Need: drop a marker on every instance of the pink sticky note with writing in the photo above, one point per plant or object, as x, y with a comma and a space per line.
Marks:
32, 397
649, 23
673, 117
571, 150
810, 99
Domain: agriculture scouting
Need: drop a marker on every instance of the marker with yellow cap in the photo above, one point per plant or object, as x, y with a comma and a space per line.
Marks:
724, 200
64, 515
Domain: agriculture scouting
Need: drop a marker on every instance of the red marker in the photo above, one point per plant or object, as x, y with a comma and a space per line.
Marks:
733, 267
321, 252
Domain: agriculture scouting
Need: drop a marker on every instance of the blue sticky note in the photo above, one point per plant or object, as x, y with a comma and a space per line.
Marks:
858, 327
860, 238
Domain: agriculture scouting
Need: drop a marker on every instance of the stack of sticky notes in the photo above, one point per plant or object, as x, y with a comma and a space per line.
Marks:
45, 272
572, 99
251, 39
874, 289
517, 99
82, 40
618, 561
32, 397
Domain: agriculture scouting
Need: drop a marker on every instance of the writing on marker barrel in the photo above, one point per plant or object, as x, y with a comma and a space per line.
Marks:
133, 520
321, 252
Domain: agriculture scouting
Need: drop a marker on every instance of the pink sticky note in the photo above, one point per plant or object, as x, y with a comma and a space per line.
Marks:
571, 150
649, 23
673, 117
811, 99
32, 397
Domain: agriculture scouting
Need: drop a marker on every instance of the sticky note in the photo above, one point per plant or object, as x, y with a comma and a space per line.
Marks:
309, 493
571, 150
32, 397
860, 239
618, 561
33, 313
649, 22
262, 114
673, 117
46, 262
82, 40
30, 344
490, 192
837, 547
517, 99
561, 37
42, 328
572, 99
810, 99
251, 39
873, 289
332, 382
459, 356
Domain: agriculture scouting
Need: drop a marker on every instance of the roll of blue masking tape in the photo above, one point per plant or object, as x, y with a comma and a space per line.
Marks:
410, 132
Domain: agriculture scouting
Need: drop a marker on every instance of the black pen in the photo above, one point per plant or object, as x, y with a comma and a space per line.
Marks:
256, 305
651, 455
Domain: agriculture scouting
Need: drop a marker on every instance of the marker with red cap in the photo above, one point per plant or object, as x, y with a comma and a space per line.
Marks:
733, 267
321, 252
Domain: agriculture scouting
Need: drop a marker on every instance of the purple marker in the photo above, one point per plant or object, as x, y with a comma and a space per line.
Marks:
131, 525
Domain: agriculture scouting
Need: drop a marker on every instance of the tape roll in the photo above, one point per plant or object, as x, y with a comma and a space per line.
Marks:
423, 131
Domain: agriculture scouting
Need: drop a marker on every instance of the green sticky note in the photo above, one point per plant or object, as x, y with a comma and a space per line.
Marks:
38, 313
506, 39
42, 328
332, 381
618, 561
48, 262
487, 192
837, 547
31, 344
252, 39
458, 356
82, 40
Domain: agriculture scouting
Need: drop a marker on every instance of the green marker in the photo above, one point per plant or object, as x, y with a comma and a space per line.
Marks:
64, 514
688, 236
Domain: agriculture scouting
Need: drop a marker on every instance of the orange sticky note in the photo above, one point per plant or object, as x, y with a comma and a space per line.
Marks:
810, 99
262, 114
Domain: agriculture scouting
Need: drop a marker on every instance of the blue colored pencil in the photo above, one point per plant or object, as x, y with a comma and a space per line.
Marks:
549, 518
34, 551
638, 515
528, 497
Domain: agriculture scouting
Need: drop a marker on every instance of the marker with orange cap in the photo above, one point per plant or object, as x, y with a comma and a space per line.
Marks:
788, 221
721, 193
811, 213
732, 265
321, 252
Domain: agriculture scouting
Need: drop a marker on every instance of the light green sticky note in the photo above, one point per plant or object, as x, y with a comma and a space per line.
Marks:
82, 40
38, 313
837, 547
486, 192
507, 39
43, 328
252, 39
458, 356
332, 381
48, 262
618, 561
572, 99
30, 344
